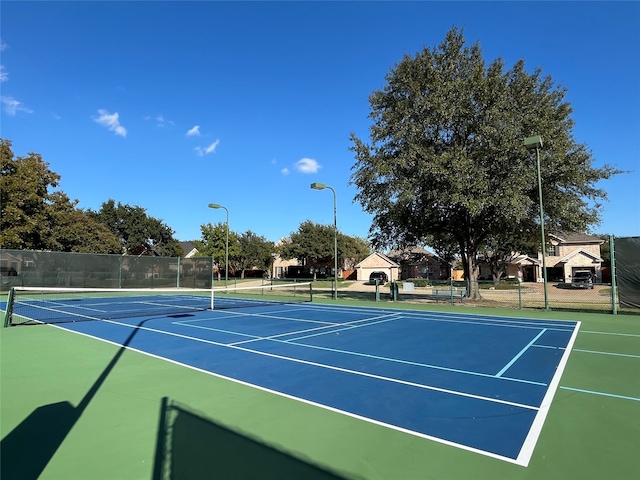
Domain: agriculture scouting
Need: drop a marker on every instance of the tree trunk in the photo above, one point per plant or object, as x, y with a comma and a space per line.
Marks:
471, 273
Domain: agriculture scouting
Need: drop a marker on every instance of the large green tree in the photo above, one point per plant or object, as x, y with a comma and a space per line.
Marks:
313, 243
446, 165
73, 230
35, 217
25, 214
137, 232
213, 243
254, 251
352, 250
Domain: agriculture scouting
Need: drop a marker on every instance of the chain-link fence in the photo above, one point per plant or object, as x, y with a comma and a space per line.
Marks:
61, 269
620, 291
505, 294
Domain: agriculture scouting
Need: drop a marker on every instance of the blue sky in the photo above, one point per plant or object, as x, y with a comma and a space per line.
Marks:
175, 105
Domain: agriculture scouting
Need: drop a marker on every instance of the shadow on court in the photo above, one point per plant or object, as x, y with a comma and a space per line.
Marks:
27, 449
44, 430
190, 446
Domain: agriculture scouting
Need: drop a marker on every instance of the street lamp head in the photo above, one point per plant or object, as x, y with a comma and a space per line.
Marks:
214, 205
318, 186
533, 142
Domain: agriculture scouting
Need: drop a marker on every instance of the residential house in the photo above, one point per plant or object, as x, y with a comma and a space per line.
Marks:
572, 252
189, 249
377, 262
566, 254
416, 262
280, 267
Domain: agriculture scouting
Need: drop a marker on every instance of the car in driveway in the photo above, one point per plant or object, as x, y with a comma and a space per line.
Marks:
582, 279
381, 277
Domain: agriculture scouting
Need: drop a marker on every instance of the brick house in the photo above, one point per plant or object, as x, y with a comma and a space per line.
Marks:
566, 254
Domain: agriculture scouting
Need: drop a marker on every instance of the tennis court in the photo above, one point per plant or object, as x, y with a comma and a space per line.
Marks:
478, 385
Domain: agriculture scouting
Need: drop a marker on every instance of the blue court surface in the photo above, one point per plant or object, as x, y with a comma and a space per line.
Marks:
476, 382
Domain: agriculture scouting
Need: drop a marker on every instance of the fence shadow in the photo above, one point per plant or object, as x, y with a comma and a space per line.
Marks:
190, 446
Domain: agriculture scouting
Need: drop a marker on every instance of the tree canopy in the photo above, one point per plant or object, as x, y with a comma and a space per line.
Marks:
255, 252
137, 232
446, 165
25, 213
313, 244
35, 215
213, 243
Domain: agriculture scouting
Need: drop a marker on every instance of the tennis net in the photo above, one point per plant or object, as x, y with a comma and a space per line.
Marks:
35, 305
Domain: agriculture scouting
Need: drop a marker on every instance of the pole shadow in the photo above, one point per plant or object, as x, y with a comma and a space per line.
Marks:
29, 447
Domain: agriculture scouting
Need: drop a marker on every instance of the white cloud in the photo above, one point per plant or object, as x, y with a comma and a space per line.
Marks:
13, 106
3, 74
307, 165
195, 131
285, 171
162, 122
210, 149
111, 121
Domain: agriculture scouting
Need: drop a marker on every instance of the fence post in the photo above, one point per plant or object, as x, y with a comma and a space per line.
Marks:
519, 295
614, 305
178, 274
451, 290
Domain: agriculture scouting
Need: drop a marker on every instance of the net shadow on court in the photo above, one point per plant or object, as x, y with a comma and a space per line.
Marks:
192, 446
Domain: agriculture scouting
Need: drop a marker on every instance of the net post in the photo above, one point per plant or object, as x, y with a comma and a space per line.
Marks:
7, 313
211, 297
311, 291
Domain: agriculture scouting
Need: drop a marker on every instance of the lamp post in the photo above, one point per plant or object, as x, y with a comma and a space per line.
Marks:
322, 186
531, 143
226, 258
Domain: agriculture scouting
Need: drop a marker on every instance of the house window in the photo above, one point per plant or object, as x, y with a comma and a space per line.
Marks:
553, 251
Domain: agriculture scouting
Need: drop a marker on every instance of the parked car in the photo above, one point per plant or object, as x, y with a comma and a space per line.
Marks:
582, 279
381, 277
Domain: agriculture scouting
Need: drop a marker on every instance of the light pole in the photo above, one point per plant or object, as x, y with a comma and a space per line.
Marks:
226, 257
531, 143
322, 186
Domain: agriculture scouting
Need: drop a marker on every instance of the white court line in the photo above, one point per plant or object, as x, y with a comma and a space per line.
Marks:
305, 401
453, 317
408, 362
520, 353
526, 452
628, 355
329, 367
522, 459
348, 326
256, 338
611, 333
